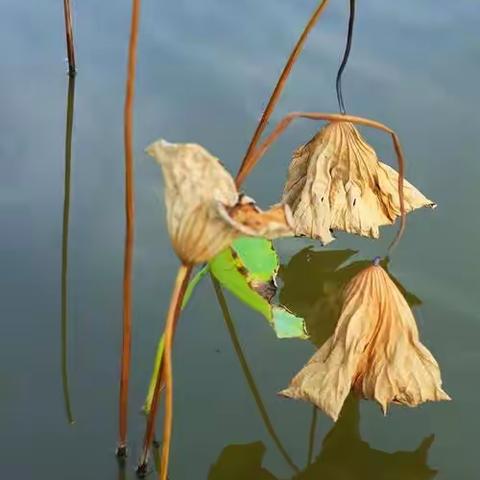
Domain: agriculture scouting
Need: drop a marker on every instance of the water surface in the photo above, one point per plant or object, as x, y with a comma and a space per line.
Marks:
205, 70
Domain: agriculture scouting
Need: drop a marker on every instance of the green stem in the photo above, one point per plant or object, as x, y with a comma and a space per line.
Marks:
153, 379
248, 375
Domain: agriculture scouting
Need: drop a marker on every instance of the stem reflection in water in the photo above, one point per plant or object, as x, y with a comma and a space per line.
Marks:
65, 227
248, 374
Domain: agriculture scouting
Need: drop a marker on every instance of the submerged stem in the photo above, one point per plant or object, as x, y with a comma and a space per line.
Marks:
130, 228
248, 375
65, 231
173, 311
274, 98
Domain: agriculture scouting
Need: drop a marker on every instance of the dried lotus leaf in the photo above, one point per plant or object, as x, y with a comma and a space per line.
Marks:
375, 350
250, 220
201, 204
335, 182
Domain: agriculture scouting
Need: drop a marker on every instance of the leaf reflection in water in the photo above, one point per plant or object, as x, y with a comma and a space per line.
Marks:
313, 283
240, 462
343, 453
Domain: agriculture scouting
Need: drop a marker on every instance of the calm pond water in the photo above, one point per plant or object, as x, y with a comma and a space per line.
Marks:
205, 70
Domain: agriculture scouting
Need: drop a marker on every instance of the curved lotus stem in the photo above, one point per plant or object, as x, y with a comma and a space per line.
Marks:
297, 50
179, 288
158, 386
334, 117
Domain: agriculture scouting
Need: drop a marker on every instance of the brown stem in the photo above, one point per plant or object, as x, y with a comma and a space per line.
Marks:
334, 117
67, 10
130, 228
173, 311
274, 98
159, 384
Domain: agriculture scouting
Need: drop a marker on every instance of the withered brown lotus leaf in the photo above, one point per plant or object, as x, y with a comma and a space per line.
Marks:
205, 212
375, 350
250, 220
336, 182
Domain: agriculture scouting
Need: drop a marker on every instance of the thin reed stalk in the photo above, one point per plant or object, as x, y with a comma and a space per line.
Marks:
65, 231
130, 229
67, 10
277, 91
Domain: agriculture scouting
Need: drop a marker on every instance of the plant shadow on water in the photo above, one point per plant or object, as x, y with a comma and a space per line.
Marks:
343, 455
313, 283
312, 286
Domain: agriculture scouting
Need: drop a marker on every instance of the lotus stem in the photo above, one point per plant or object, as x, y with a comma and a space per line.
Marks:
311, 436
156, 369
335, 117
67, 10
346, 54
179, 288
130, 228
157, 383
275, 97
248, 375
65, 230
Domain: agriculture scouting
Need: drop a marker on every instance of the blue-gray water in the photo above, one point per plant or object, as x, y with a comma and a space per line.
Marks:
205, 70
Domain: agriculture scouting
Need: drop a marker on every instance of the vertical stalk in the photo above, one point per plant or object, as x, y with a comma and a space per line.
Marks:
179, 288
311, 436
130, 229
67, 10
122, 474
65, 228
249, 377
275, 97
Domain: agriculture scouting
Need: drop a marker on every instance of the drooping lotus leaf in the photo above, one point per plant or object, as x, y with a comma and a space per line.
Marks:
205, 212
336, 182
375, 350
